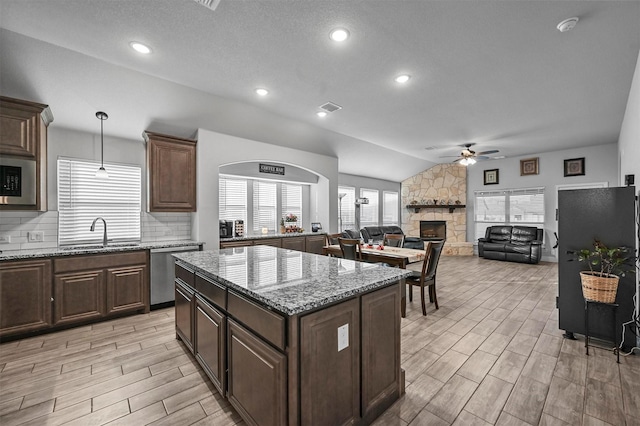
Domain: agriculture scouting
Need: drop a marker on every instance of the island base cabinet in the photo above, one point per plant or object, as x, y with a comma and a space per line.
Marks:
381, 380
185, 302
79, 296
257, 378
210, 345
330, 365
25, 296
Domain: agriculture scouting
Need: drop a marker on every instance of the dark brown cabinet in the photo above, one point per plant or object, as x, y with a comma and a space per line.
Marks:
101, 285
232, 244
315, 243
185, 306
257, 386
210, 342
25, 296
294, 243
330, 365
171, 168
381, 382
23, 135
79, 296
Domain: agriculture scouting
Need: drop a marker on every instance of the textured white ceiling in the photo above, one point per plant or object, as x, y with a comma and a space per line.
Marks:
494, 73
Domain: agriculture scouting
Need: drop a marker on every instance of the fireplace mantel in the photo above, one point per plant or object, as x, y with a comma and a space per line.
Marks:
451, 207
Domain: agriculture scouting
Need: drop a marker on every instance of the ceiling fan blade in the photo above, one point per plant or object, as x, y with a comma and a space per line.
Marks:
482, 158
450, 156
492, 151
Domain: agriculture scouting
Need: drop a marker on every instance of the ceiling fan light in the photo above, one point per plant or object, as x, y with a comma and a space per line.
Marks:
464, 161
471, 161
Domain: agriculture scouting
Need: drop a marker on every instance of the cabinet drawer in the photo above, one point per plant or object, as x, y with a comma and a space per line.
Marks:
99, 261
273, 242
185, 274
267, 324
211, 290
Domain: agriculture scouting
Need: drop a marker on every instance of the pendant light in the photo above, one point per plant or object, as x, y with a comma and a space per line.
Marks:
101, 172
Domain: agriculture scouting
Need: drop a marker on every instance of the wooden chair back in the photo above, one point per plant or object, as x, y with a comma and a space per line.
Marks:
332, 239
393, 240
350, 248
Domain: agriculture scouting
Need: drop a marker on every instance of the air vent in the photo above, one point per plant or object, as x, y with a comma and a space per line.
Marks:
330, 107
211, 4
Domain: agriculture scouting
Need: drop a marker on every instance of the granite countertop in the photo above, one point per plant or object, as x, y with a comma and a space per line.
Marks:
89, 249
266, 236
290, 281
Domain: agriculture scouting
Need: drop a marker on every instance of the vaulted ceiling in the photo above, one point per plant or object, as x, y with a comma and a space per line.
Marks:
494, 73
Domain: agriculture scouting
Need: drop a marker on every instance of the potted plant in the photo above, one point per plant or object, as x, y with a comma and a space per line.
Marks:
606, 266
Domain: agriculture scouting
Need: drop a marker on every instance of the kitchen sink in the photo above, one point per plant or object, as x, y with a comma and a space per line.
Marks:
94, 246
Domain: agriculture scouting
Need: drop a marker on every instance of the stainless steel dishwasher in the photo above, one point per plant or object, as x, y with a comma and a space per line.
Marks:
162, 274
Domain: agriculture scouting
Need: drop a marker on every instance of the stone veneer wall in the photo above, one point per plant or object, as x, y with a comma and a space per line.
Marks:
446, 182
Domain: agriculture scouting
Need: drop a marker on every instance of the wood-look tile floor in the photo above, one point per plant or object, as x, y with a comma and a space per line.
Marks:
492, 354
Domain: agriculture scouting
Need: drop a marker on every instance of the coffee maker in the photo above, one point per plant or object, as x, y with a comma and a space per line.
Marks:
226, 228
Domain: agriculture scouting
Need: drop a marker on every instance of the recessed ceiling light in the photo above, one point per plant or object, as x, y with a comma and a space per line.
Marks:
402, 78
339, 34
321, 114
140, 48
262, 92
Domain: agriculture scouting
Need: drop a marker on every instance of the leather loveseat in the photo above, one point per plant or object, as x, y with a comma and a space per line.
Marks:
376, 233
513, 243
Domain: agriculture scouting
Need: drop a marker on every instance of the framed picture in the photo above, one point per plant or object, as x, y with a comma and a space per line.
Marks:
529, 166
491, 177
574, 167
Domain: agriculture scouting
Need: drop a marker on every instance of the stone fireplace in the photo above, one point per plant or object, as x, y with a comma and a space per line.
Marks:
435, 191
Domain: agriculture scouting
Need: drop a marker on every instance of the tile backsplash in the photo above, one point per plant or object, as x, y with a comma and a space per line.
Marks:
17, 225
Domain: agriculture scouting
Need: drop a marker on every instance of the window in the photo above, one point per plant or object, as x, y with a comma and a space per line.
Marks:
232, 199
346, 208
264, 206
508, 207
389, 208
369, 212
292, 200
82, 197
259, 203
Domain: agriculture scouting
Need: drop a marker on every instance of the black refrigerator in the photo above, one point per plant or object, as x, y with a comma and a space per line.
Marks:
606, 214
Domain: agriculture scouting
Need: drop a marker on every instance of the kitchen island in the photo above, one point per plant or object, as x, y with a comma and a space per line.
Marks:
291, 337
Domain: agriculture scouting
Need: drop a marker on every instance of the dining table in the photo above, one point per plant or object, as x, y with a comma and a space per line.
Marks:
394, 256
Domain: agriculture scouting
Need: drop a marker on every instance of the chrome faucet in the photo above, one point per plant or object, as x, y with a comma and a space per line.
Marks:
93, 228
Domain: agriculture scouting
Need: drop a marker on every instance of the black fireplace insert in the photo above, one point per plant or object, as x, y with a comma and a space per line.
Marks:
431, 230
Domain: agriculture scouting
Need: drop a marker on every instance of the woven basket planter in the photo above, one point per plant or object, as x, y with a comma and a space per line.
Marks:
599, 288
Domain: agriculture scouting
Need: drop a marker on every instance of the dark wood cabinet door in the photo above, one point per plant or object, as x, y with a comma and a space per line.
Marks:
79, 296
380, 351
22, 124
294, 243
232, 244
126, 289
257, 378
25, 296
273, 242
184, 314
330, 365
210, 345
315, 243
171, 163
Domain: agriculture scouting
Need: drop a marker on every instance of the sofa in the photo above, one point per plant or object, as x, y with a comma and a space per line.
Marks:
513, 243
376, 233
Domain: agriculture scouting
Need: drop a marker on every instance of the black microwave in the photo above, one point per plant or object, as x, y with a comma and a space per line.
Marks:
17, 181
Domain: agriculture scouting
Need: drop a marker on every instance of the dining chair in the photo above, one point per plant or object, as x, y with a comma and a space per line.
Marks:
427, 276
332, 239
350, 248
393, 240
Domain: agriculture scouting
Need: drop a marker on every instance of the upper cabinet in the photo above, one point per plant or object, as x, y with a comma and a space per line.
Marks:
171, 173
23, 148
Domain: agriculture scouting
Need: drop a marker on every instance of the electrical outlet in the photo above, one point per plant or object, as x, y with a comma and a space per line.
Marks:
5, 239
35, 236
343, 337
168, 231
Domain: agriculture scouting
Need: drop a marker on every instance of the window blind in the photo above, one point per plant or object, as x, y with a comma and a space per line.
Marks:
369, 212
347, 208
264, 206
232, 196
82, 197
389, 208
292, 200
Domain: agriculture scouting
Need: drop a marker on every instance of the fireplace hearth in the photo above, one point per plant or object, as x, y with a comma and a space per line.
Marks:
431, 230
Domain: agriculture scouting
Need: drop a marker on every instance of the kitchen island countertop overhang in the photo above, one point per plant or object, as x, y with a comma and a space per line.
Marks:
289, 281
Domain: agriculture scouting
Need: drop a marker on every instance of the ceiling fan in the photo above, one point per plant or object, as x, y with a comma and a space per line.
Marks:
468, 156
